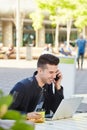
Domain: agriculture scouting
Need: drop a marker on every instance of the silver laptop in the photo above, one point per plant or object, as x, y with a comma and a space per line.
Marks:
67, 108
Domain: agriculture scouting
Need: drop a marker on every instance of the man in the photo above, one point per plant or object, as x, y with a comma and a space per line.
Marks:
81, 44
41, 91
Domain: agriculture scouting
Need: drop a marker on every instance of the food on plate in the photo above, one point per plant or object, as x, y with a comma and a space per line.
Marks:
40, 120
37, 120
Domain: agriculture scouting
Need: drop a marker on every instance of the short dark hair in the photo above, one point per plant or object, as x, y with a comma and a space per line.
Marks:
47, 59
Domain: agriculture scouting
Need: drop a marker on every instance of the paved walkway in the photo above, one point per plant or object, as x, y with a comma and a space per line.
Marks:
12, 71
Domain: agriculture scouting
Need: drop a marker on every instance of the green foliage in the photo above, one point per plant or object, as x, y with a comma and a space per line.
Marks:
68, 4
13, 115
49, 6
1, 128
70, 9
81, 14
80, 22
37, 19
21, 125
44, 4
5, 100
19, 119
1, 93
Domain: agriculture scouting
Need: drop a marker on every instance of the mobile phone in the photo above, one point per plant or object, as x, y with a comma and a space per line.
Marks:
56, 78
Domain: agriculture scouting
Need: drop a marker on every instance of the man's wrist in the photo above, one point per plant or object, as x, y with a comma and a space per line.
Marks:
58, 87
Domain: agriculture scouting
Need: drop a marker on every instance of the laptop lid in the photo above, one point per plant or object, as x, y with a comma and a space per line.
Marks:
67, 108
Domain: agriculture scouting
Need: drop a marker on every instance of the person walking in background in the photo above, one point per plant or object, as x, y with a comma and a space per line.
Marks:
81, 44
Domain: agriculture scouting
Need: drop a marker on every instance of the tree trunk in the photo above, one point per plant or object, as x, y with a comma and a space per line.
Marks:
57, 36
36, 38
69, 23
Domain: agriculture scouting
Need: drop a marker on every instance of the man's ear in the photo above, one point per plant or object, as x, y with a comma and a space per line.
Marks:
39, 70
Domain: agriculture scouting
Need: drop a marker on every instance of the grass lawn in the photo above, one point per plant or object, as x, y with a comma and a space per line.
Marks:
67, 60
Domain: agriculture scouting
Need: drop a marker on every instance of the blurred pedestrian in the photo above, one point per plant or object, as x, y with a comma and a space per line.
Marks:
47, 49
64, 50
81, 44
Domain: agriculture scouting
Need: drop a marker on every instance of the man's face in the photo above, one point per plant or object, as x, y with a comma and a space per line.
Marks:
48, 74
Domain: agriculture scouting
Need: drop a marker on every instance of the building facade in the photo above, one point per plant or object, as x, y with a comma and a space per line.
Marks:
27, 35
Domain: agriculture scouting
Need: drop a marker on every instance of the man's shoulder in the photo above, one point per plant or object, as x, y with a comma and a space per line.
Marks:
27, 80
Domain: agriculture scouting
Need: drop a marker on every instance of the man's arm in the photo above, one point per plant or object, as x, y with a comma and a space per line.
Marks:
58, 95
17, 93
56, 99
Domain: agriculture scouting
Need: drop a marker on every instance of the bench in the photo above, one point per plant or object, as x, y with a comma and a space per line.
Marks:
36, 52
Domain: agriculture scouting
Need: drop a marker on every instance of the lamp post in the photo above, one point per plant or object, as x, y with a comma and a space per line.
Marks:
18, 30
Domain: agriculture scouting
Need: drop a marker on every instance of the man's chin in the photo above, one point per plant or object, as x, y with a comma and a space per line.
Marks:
49, 83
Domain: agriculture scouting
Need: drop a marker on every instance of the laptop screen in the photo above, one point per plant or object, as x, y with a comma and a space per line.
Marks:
67, 108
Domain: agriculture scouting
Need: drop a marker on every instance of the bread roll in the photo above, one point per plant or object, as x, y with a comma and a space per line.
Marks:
40, 120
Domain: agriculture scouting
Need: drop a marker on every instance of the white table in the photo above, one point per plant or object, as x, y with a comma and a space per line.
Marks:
6, 124
78, 122
81, 95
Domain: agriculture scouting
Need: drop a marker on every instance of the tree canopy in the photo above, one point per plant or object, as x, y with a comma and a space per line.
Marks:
76, 9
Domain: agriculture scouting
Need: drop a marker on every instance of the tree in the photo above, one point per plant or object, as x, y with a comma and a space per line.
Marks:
67, 11
37, 19
50, 8
81, 15
59, 12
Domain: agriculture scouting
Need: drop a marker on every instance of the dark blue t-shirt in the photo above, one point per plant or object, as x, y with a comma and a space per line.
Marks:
81, 43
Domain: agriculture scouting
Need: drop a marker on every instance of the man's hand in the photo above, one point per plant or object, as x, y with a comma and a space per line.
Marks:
58, 82
35, 117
